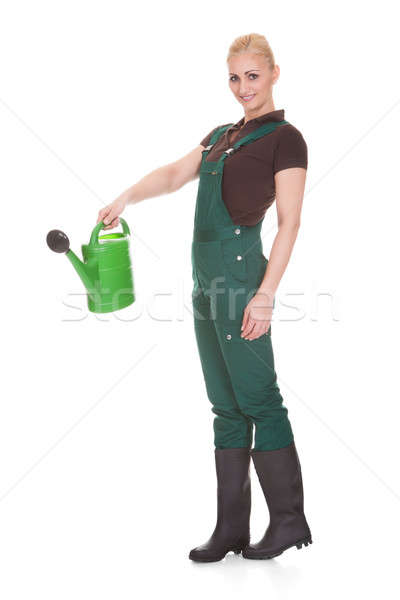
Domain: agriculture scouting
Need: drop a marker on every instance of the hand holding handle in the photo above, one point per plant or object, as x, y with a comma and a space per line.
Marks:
94, 238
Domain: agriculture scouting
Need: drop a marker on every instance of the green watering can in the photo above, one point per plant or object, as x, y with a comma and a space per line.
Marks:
106, 270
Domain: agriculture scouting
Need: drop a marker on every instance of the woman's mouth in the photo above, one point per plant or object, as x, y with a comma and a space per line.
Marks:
247, 98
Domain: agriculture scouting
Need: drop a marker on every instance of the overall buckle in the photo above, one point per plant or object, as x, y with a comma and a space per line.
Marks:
232, 150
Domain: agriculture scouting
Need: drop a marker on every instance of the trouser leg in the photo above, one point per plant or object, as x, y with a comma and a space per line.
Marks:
232, 428
251, 367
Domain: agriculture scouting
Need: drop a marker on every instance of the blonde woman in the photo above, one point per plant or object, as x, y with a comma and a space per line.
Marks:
242, 168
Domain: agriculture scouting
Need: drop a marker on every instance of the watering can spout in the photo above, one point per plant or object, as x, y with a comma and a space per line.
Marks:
59, 242
82, 271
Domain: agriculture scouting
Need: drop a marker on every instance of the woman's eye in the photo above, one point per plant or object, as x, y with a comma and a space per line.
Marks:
254, 75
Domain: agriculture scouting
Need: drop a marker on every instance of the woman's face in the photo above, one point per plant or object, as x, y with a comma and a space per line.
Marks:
251, 79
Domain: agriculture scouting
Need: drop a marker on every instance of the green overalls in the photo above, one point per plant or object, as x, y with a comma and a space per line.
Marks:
228, 266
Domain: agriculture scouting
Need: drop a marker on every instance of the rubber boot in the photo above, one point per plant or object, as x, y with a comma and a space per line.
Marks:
279, 473
232, 530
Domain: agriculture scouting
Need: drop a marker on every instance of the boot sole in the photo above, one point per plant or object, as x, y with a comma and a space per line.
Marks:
236, 550
298, 545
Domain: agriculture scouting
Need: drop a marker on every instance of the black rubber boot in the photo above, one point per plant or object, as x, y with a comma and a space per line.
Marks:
232, 530
279, 473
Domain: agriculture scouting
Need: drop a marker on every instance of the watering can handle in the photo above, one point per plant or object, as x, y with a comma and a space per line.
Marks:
94, 240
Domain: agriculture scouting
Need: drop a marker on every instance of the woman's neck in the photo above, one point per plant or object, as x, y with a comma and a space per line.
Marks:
266, 108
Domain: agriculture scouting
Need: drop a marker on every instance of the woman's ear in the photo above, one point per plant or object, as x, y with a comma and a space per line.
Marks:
276, 73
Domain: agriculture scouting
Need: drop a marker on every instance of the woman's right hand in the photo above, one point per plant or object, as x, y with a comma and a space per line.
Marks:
109, 214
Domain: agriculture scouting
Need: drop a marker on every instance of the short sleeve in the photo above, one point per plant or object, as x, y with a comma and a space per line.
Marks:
206, 141
291, 150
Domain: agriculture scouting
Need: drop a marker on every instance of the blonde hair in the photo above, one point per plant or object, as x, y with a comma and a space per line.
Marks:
252, 42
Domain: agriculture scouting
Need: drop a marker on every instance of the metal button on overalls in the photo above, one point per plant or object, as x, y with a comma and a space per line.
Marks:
228, 266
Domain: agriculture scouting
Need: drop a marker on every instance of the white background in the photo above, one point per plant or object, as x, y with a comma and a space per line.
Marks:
107, 467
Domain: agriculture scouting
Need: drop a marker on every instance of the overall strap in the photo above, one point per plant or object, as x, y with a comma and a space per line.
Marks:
255, 135
216, 135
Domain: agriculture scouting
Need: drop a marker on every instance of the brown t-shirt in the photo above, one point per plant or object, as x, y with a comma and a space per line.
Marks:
248, 184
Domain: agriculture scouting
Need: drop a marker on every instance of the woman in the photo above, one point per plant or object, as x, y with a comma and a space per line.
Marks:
243, 167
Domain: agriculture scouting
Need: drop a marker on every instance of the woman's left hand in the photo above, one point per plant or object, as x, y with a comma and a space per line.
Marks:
257, 316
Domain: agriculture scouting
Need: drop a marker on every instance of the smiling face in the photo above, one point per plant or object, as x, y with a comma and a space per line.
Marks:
251, 80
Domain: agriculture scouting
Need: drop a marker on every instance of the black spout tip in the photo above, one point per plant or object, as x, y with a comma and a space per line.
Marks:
57, 241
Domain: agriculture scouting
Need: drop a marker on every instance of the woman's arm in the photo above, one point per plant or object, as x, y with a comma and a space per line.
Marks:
163, 180
289, 186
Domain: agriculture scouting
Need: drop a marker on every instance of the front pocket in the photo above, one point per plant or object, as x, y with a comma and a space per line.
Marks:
234, 258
